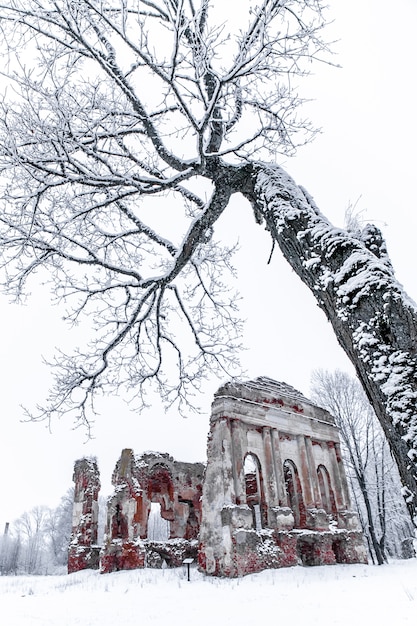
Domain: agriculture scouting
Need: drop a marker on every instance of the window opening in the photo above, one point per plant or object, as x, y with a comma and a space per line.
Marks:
158, 527
254, 493
119, 529
326, 492
294, 493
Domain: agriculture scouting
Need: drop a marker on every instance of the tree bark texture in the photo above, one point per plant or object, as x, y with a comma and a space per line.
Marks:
353, 282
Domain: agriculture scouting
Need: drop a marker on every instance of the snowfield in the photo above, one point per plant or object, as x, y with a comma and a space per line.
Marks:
339, 595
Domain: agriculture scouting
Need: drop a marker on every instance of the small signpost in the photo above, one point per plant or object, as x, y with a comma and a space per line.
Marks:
188, 562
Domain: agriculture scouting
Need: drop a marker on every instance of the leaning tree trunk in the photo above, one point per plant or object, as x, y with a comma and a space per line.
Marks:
353, 281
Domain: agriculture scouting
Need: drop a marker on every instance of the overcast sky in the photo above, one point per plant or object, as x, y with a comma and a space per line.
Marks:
365, 154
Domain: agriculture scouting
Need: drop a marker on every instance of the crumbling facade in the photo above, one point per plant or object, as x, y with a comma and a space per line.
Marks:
273, 494
275, 491
140, 482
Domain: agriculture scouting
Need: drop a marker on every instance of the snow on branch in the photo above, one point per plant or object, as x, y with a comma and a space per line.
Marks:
124, 129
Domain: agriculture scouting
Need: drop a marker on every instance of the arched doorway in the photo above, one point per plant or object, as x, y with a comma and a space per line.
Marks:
160, 495
254, 490
158, 527
294, 493
326, 492
119, 525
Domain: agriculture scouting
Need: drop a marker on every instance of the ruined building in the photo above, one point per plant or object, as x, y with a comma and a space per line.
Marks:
83, 549
131, 539
273, 494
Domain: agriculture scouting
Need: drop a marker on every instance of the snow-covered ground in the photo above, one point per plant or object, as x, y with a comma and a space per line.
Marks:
339, 595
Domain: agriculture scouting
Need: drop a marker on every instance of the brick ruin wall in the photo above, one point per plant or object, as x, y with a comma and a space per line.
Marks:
139, 482
83, 551
273, 494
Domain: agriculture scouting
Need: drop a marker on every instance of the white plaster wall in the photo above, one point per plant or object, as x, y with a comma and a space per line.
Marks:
77, 511
217, 492
129, 510
289, 450
255, 443
321, 455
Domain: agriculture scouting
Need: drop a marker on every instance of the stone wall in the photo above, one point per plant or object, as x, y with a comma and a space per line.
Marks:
83, 552
275, 490
140, 481
273, 494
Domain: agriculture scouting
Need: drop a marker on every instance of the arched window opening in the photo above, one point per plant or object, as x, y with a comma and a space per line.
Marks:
161, 495
158, 527
294, 493
119, 528
193, 525
254, 490
160, 483
326, 492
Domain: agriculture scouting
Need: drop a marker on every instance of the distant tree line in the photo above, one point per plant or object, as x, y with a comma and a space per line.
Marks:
37, 542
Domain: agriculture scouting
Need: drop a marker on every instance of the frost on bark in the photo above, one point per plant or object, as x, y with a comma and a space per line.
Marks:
353, 281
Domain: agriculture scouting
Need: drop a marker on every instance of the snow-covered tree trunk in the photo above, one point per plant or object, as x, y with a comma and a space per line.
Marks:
352, 279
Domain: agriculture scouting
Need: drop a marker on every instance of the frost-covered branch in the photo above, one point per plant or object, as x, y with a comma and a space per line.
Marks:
113, 122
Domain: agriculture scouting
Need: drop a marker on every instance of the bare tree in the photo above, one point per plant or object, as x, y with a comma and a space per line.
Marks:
126, 127
29, 529
9, 553
58, 526
374, 481
37, 541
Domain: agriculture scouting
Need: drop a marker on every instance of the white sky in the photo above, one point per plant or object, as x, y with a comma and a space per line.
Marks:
365, 153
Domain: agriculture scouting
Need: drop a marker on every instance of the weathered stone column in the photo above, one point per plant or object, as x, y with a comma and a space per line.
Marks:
270, 473
342, 474
340, 494
237, 461
83, 552
313, 472
305, 472
221, 449
220, 513
279, 473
